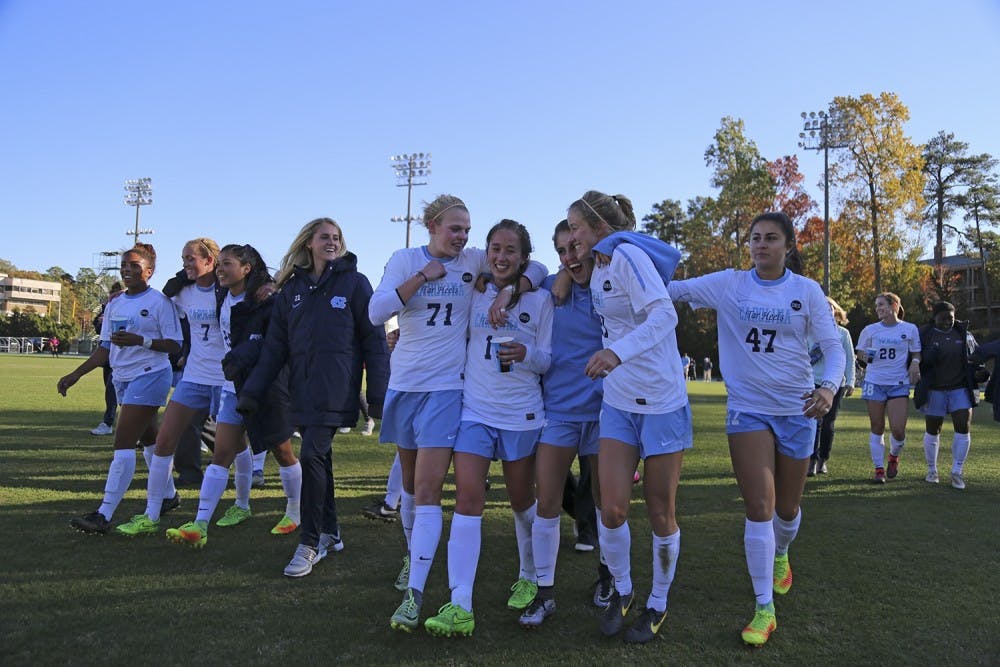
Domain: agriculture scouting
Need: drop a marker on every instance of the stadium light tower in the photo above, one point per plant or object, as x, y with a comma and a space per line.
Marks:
410, 169
822, 130
138, 192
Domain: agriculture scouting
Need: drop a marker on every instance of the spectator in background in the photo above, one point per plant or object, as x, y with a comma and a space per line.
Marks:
54, 346
706, 369
824, 434
107, 425
685, 364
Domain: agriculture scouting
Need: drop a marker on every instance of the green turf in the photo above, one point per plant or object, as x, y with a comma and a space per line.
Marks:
906, 573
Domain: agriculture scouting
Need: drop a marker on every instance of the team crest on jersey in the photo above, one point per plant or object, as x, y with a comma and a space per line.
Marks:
144, 312
606, 286
796, 305
524, 317
902, 336
466, 277
297, 301
339, 302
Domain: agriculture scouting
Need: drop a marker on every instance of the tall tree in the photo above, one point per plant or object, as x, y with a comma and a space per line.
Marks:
666, 222
881, 169
789, 196
981, 203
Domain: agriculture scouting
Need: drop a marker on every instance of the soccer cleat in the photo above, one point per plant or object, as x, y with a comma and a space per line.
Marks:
957, 482
893, 468
140, 524
257, 478
613, 618
880, 475
302, 562
102, 429
379, 511
328, 542
369, 427
646, 627
403, 578
170, 504
537, 612
407, 616
284, 527
193, 532
585, 541
451, 620
523, 592
782, 574
604, 587
91, 523
760, 628
233, 516
932, 477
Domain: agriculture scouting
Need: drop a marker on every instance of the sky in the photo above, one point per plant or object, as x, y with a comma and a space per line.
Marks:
252, 118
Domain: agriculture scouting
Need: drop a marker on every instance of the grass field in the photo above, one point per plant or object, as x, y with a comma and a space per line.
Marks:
905, 573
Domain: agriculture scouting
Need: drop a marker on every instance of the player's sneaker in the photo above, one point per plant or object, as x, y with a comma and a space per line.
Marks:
893, 468
760, 628
344, 429
257, 478
880, 475
604, 587
932, 477
328, 542
403, 578
407, 616
170, 504
537, 612
233, 516
102, 429
957, 481
194, 533
451, 620
379, 511
782, 574
613, 617
140, 524
302, 562
369, 427
821, 468
91, 523
646, 627
522, 593
284, 527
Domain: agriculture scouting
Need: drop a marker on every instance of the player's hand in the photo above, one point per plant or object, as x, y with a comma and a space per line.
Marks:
848, 391
602, 260
602, 363
498, 311
391, 339
65, 382
482, 280
246, 405
126, 339
914, 372
818, 402
433, 270
264, 292
512, 351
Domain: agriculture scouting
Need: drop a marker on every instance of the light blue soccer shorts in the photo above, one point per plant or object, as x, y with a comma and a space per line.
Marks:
148, 389
495, 443
227, 409
794, 435
197, 396
418, 419
653, 434
883, 392
582, 436
943, 402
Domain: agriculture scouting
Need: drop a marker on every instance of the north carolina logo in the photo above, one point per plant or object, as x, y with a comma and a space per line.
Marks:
796, 305
297, 301
466, 277
524, 317
607, 286
902, 336
339, 302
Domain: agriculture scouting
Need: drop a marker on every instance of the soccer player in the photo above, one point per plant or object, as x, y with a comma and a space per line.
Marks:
645, 413
320, 328
572, 406
823, 444
502, 417
430, 290
139, 331
891, 350
765, 316
243, 320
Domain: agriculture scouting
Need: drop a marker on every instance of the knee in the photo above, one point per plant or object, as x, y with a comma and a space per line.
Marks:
469, 504
758, 509
613, 515
427, 493
899, 434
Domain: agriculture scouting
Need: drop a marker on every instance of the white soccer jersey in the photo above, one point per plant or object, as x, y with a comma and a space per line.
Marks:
511, 400
763, 328
204, 361
152, 316
226, 329
639, 321
430, 354
891, 345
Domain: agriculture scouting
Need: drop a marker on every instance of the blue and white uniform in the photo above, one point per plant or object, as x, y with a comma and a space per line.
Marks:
227, 410
887, 349
202, 374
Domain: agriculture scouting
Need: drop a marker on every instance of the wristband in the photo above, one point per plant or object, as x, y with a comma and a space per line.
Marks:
424, 276
829, 384
147, 343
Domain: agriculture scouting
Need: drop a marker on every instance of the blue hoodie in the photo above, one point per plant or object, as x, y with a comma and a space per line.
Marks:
664, 256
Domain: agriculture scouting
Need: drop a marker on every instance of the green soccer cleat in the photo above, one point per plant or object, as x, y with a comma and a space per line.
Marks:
451, 621
524, 592
233, 516
403, 578
782, 574
140, 524
194, 533
407, 616
284, 527
760, 628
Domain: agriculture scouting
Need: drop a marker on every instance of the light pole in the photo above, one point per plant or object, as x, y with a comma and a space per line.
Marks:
822, 131
138, 192
410, 169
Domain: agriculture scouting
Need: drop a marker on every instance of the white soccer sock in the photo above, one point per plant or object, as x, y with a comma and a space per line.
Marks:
147, 454
159, 475
243, 477
931, 445
120, 474
785, 532
424, 543
758, 543
291, 483
212, 487
666, 551
463, 557
522, 529
545, 548
895, 446
960, 444
407, 514
258, 460
877, 448
616, 547
394, 485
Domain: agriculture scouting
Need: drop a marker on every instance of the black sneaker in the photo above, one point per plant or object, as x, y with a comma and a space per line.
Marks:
536, 612
91, 523
613, 618
379, 511
645, 627
603, 587
170, 504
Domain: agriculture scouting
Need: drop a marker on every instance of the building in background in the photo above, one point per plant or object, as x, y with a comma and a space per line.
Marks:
42, 296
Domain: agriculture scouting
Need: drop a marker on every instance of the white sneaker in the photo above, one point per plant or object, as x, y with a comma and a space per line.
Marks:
344, 429
102, 429
957, 481
369, 427
328, 542
302, 562
931, 477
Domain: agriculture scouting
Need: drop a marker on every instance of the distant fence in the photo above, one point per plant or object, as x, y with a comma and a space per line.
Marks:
30, 344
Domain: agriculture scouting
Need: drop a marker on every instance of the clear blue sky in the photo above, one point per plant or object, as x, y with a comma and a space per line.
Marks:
254, 117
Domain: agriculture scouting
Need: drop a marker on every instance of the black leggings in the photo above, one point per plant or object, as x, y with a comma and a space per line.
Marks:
824, 431
318, 507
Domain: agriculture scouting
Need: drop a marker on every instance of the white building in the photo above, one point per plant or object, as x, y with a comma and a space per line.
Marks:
40, 295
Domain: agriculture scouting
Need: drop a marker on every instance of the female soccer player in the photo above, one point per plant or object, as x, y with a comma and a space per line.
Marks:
765, 316
949, 383
824, 434
891, 349
139, 331
243, 320
430, 289
502, 416
320, 328
645, 413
